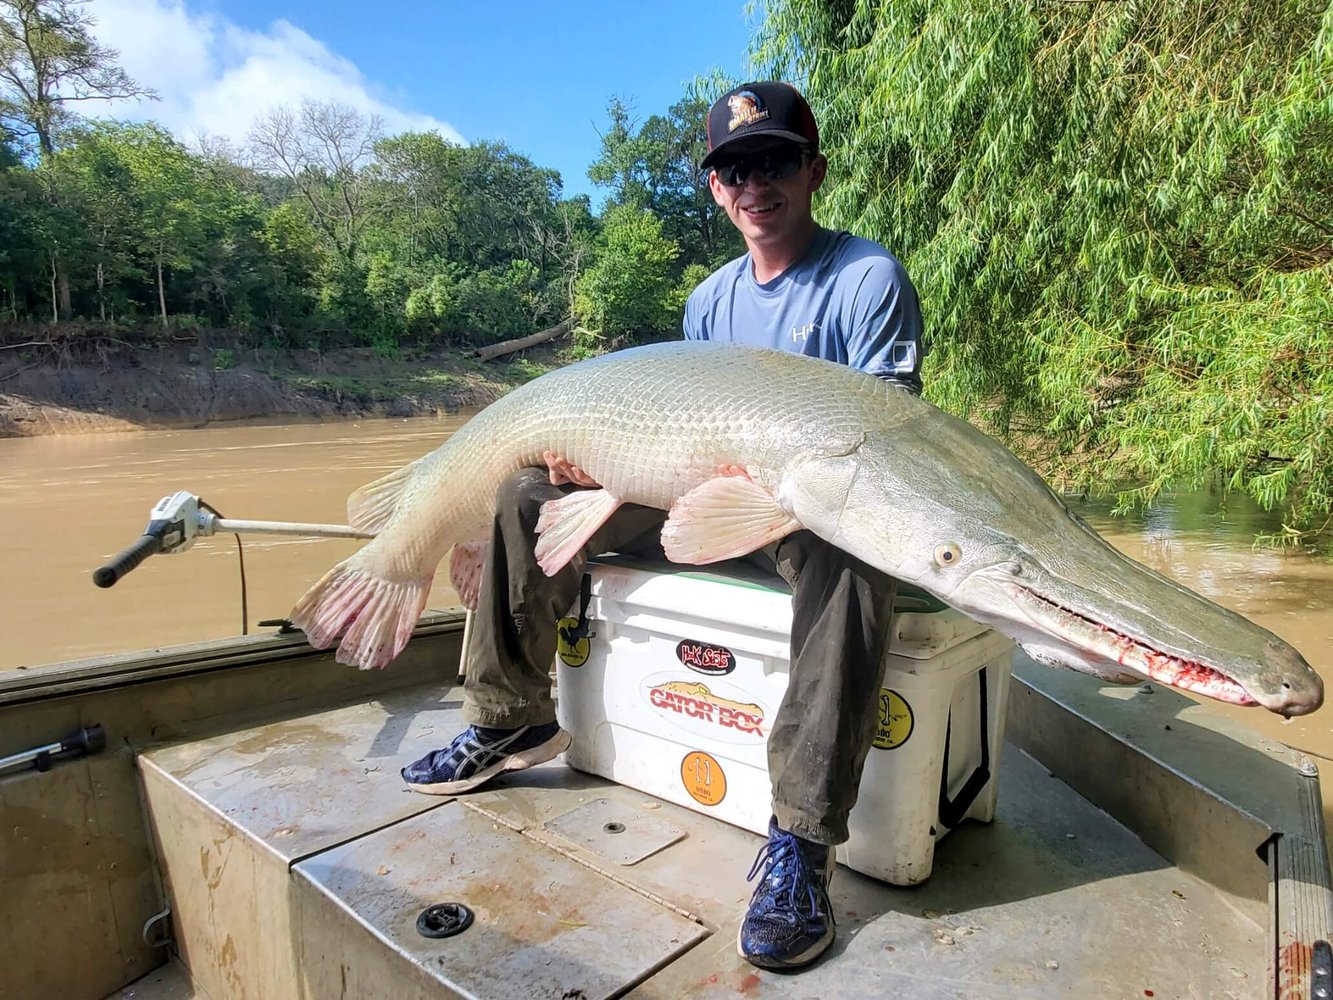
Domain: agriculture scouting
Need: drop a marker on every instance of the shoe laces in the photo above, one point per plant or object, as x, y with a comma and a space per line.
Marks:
468, 734
446, 754
788, 875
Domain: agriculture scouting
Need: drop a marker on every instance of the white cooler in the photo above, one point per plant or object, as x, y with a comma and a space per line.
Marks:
674, 690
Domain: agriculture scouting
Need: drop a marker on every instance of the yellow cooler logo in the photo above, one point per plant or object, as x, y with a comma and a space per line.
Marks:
572, 654
895, 720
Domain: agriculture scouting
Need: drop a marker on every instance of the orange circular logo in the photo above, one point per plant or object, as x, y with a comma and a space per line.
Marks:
703, 778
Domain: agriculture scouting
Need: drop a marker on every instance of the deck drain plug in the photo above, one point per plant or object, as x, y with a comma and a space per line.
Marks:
444, 920
614, 827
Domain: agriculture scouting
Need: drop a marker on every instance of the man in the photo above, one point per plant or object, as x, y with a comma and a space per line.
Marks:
800, 288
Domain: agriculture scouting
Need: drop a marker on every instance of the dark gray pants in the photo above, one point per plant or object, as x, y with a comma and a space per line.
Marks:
840, 606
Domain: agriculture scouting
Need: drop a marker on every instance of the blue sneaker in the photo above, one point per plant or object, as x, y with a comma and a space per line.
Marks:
790, 921
478, 754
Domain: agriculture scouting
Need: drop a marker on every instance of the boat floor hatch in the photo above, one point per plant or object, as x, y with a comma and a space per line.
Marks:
297, 864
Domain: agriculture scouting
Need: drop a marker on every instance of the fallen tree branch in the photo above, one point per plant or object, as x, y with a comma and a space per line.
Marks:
16, 372
510, 346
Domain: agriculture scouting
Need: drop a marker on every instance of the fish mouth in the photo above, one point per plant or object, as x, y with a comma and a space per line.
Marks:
1134, 654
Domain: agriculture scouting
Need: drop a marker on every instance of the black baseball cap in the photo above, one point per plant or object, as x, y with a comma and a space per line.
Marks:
754, 109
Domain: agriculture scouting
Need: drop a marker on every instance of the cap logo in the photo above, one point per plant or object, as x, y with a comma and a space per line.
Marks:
746, 108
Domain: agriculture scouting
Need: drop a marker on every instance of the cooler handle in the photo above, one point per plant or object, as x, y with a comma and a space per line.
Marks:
953, 810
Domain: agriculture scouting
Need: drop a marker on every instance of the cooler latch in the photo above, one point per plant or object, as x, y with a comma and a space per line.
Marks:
571, 634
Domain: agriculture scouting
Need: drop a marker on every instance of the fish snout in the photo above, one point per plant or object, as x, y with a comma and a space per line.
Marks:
1288, 684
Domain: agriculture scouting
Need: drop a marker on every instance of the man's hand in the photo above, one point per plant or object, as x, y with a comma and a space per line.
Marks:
563, 471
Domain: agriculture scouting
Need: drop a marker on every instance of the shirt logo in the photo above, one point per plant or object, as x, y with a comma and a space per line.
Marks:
746, 108
800, 334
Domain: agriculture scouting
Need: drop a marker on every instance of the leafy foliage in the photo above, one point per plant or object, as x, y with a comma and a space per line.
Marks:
628, 291
1120, 217
655, 166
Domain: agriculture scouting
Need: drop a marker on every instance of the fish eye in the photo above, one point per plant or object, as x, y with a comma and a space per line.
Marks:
948, 554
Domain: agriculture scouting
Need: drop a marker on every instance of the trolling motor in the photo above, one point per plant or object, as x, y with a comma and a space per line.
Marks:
177, 520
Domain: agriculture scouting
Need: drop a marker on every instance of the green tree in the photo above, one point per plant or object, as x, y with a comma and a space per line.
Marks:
97, 183
504, 202
22, 206
49, 61
628, 290
178, 207
324, 150
655, 166
298, 261
158, 222
426, 170
463, 220
1120, 217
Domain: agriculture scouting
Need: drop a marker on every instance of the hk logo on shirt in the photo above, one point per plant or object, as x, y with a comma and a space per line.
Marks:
801, 333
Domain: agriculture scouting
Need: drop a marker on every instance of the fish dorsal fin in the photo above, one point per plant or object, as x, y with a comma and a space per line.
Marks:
724, 518
370, 507
566, 525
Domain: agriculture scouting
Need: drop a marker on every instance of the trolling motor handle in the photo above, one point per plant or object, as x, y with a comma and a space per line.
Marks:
108, 574
172, 525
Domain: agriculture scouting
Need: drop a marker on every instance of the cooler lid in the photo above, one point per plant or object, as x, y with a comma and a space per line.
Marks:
923, 625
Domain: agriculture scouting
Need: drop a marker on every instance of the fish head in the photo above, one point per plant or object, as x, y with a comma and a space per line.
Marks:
1075, 601
981, 531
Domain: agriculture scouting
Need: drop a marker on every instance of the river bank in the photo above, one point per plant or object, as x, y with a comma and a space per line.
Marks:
100, 384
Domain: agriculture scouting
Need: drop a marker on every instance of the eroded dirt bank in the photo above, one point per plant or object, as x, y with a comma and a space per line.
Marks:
43, 393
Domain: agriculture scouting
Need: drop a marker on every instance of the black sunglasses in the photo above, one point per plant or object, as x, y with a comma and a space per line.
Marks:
774, 164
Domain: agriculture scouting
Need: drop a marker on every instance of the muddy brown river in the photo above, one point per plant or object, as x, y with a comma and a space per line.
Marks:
67, 503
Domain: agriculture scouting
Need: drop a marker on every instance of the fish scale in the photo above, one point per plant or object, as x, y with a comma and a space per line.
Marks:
872, 469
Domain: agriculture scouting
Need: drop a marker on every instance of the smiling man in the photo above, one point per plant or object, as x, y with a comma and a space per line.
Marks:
800, 288
808, 290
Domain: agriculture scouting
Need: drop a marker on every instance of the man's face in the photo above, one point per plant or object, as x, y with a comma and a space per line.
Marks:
769, 209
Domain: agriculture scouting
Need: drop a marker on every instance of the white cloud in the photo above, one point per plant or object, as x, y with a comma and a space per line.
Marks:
214, 78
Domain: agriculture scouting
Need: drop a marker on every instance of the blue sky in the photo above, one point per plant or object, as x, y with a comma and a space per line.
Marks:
534, 75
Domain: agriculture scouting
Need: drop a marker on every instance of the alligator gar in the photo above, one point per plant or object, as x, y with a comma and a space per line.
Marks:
745, 445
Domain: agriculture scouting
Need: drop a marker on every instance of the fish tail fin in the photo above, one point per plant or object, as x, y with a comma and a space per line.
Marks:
370, 507
375, 616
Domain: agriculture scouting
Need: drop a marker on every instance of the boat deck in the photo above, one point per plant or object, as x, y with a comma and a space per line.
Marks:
297, 864
1143, 845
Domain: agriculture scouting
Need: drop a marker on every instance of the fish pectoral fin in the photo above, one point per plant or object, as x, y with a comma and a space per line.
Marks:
723, 518
370, 507
565, 526
465, 562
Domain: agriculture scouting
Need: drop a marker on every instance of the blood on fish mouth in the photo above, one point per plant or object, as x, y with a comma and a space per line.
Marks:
1139, 657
